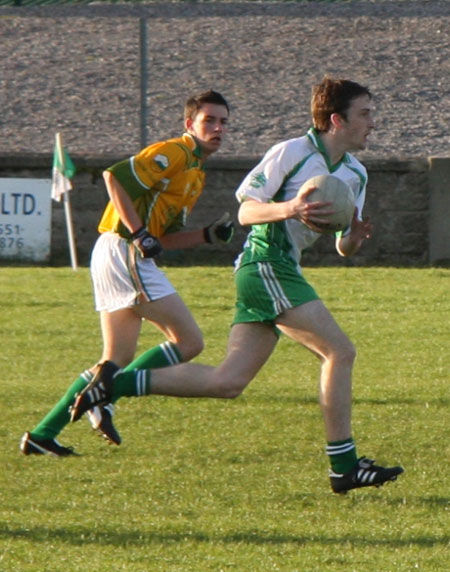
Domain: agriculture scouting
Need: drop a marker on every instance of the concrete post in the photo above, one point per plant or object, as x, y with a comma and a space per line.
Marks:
439, 221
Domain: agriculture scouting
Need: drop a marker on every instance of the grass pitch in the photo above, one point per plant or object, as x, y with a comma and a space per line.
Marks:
209, 485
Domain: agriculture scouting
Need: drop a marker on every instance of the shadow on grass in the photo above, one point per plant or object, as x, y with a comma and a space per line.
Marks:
432, 501
82, 536
312, 400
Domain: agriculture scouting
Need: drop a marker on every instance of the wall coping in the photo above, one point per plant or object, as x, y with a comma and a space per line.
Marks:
226, 163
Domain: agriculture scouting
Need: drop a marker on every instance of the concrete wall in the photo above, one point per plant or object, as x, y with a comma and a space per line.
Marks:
408, 201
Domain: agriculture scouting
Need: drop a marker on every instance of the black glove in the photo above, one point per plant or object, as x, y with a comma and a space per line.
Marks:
147, 245
221, 230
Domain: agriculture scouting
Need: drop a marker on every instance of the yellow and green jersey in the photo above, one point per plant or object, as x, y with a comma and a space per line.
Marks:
164, 181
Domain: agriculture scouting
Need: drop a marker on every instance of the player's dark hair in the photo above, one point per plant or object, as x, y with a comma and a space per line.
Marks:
333, 96
194, 103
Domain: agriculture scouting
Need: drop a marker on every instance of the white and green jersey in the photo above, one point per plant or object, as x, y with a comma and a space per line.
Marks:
278, 178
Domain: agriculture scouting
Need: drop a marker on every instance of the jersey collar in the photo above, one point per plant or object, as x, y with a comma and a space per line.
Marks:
190, 141
313, 136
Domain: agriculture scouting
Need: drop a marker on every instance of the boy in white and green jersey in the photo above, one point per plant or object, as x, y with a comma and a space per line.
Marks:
273, 250
272, 295
277, 178
271, 291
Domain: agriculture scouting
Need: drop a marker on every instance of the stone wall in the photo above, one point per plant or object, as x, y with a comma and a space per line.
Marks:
408, 201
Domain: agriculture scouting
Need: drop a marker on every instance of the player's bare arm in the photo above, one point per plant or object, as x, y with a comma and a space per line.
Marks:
252, 211
122, 202
183, 239
219, 230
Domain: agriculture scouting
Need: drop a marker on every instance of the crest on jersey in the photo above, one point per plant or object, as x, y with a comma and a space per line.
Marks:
162, 161
258, 180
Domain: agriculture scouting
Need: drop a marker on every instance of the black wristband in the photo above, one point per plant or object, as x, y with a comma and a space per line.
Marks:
137, 232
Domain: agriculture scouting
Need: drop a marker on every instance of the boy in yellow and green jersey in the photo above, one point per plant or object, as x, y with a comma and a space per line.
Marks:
151, 195
164, 182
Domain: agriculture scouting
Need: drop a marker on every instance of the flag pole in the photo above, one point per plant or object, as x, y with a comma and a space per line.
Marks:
70, 233
67, 210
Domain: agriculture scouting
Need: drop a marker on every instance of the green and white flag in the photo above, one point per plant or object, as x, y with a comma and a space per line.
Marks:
63, 170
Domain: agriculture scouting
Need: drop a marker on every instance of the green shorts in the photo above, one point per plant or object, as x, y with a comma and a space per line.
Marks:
266, 289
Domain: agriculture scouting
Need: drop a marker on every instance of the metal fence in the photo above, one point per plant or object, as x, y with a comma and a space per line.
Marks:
42, 2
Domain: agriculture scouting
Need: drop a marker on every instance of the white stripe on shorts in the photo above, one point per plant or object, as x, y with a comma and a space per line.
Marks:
273, 287
120, 279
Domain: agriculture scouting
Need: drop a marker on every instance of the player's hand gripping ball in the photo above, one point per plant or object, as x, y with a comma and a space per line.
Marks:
332, 190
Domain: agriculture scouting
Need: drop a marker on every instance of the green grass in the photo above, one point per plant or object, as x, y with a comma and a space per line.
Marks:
205, 485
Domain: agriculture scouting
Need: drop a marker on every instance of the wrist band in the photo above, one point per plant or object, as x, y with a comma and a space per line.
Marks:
137, 232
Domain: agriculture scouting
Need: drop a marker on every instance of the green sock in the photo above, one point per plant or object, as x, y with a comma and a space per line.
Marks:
342, 455
160, 356
139, 384
134, 381
58, 417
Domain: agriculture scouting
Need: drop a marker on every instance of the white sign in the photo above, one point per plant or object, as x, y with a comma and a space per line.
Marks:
25, 219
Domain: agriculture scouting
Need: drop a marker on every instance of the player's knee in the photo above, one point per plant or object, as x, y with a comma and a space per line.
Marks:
350, 351
346, 352
191, 348
343, 352
230, 392
230, 388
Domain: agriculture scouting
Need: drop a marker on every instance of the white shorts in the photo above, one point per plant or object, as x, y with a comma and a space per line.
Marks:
121, 278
